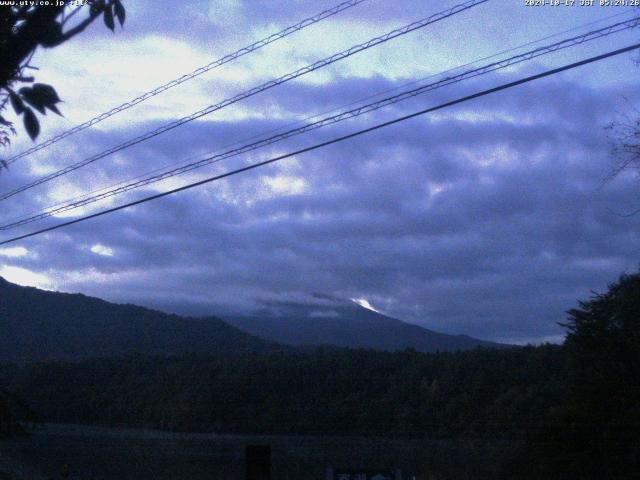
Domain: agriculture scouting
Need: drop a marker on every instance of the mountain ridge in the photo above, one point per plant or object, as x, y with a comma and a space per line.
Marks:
40, 325
350, 325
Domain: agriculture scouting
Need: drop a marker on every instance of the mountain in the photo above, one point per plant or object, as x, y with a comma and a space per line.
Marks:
347, 324
37, 325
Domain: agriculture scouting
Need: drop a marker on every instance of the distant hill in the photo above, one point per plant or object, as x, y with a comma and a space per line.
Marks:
38, 325
347, 324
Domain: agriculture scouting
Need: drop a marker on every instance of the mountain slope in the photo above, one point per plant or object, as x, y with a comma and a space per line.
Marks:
37, 325
350, 325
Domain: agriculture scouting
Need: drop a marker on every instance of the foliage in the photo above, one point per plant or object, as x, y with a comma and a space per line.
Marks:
470, 409
625, 134
604, 335
480, 392
596, 433
24, 28
568, 412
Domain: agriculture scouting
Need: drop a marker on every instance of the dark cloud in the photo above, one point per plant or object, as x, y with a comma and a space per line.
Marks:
489, 218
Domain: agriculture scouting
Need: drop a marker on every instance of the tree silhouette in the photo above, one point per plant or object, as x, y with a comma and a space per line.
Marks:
625, 137
603, 342
24, 28
604, 334
596, 433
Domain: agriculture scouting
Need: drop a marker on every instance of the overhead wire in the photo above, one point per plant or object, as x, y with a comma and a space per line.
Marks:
184, 78
317, 115
332, 119
335, 140
254, 91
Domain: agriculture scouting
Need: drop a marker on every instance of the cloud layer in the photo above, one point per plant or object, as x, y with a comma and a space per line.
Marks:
490, 218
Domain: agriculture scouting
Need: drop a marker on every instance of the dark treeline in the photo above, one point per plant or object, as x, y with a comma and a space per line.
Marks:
325, 392
473, 408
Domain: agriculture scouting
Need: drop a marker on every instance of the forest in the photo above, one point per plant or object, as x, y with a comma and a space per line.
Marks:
324, 392
570, 411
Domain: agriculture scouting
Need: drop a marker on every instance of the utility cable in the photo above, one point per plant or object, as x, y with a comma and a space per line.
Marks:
356, 112
332, 141
184, 78
254, 91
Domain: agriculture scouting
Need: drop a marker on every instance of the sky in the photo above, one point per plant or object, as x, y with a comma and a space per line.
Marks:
491, 218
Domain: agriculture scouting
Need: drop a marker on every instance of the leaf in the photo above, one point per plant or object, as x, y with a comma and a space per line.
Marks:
118, 8
54, 109
16, 103
47, 92
108, 19
32, 98
5, 122
31, 123
41, 96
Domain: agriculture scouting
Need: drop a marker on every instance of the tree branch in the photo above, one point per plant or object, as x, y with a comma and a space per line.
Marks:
71, 15
75, 30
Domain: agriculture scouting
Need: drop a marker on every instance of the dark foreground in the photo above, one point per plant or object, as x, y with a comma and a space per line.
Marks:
534, 413
83, 452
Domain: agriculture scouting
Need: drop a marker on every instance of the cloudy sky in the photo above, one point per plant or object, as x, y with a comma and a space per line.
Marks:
490, 218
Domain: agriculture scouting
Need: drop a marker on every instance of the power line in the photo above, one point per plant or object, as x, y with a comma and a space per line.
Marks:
184, 78
317, 115
254, 91
333, 119
94, 193
333, 141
